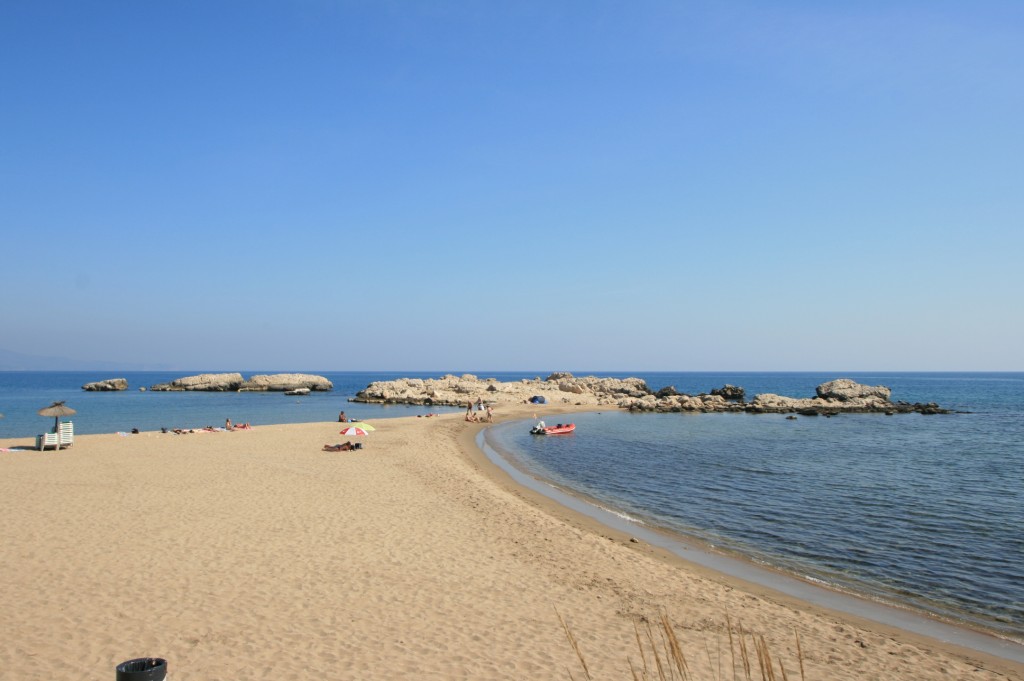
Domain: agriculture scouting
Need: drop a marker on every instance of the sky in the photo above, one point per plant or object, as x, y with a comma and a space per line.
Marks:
534, 185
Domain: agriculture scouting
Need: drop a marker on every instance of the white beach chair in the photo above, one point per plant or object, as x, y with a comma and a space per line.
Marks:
67, 434
48, 440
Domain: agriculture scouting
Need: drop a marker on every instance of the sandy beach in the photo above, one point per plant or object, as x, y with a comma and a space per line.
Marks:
254, 554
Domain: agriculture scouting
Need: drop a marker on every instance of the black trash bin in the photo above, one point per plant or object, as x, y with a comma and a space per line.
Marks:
142, 669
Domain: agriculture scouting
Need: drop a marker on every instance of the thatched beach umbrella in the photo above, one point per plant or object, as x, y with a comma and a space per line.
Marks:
56, 410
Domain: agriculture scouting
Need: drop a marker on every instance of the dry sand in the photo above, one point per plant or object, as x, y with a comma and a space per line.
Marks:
254, 555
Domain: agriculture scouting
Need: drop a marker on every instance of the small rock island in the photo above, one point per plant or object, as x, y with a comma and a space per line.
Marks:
108, 385
233, 382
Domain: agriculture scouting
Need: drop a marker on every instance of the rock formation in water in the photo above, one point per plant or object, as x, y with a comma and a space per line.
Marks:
235, 382
833, 397
558, 388
111, 384
730, 392
286, 382
204, 382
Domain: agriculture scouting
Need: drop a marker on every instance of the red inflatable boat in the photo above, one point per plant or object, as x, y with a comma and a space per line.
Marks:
558, 429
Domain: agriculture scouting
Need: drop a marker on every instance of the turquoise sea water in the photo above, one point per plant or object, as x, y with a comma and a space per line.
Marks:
925, 511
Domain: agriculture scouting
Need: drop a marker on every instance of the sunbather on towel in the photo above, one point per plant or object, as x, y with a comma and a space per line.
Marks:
343, 447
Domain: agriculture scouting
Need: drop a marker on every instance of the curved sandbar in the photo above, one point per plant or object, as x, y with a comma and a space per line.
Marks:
255, 554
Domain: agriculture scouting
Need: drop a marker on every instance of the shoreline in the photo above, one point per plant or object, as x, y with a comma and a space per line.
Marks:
916, 627
736, 565
417, 555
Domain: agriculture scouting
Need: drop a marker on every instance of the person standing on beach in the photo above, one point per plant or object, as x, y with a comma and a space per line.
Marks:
490, 414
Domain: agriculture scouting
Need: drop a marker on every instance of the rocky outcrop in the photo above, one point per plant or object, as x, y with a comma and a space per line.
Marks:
677, 402
206, 382
235, 382
841, 395
833, 397
929, 408
845, 390
730, 392
558, 388
109, 385
286, 382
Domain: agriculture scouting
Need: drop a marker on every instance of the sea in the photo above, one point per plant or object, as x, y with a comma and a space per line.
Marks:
922, 511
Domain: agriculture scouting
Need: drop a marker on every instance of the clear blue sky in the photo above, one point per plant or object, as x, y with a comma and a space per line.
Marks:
333, 185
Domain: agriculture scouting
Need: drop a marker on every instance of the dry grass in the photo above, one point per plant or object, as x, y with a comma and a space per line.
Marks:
661, 656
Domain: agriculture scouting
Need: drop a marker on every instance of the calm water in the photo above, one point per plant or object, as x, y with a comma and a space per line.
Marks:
23, 393
910, 509
919, 510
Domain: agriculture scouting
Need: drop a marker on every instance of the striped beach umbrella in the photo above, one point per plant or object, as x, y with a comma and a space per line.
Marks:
353, 430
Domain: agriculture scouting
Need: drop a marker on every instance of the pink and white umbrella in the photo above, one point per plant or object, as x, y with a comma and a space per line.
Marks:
353, 430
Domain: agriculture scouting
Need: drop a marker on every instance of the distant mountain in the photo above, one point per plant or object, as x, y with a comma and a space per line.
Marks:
16, 361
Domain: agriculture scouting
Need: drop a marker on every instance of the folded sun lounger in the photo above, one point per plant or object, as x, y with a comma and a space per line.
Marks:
47, 440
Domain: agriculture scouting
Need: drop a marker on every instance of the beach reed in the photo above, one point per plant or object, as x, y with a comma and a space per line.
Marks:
575, 645
661, 656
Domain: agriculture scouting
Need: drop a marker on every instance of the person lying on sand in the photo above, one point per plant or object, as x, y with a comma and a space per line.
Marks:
342, 447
